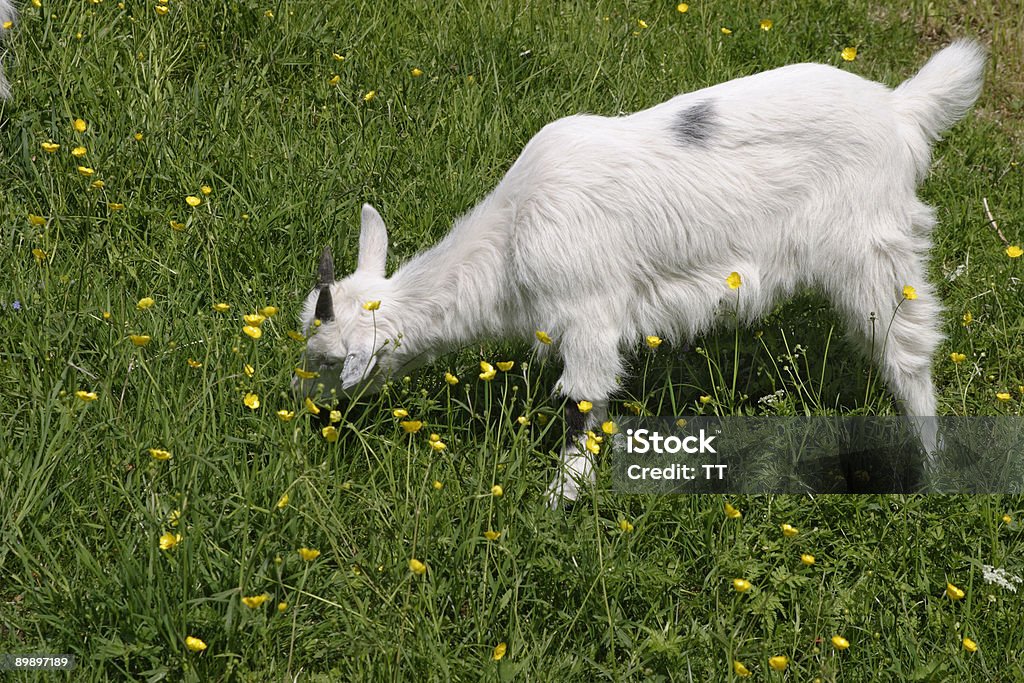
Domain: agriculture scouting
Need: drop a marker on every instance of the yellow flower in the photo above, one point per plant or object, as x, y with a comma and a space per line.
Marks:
778, 662
499, 651
330, 433
400, 412
968, 318
285, 415
592, 444
909, 293
734, 281
335, 79
542, 337
162, 9
269, 14
766, 24
254, 319
849, 54
174, 518
86, 396
957, 357
311, 407
159, 454
807, 559
741, 585
487, 371
254, 601
252, 401
741, 671
139, 339
253, 332
222, 307
505, 365
641, 23
705, 399
295, 336
337, 57
78, 151
144, 303
437, 485
682, 8
953, 592
726, 31
731, 512
268, 311
1003, 395
653, 341
169, 540
840, 643
609, 427
177, 225
195, 644
305, 374
625, 526
372, 305
138, 137
50, 147
85, 171
308, 554
79, 125
193, 200
39, 254
282, 606
492, 535
369, 96
970, 645
1014, 251
416, 73
282, 502
98, 184
497, 491
451, 379
789, 531
438, 445
585, 406
115, 206
417, 567
205, 189
1007, 519
36, 220
411, 426
248, 370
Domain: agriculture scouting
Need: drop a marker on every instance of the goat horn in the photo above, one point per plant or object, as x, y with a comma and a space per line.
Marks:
325, 272
324, 305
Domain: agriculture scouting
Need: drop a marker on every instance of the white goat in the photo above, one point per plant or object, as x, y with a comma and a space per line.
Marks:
609, 229
7, 14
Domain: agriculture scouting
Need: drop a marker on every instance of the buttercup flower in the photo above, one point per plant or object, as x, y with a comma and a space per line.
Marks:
840, 643
195, 644
159, 454
499, 651
849, 54
585, 406
653, 341
162, 10
371, 305
734, 280
312, 407
726, 32
705, 399
254, 601
625, 526
282, 606
169, 540
741, 585
305, 374
417, 567
222, 307
1003, 396
369, 96
505, 365
909, 293
139, 339
789, 531
451, 379
330, 433
1014, 251
487, 371
308, 554
79, 125
492, 535
807, 559
50, 147
416, 73
254, 319
144, 303
497, 491
970, 645
193, 200
778, 663
437, 485
282, 502
86, 396
731, 512
953, 592
400, 412
609, 427
285, 415
411, 426
251, 401
252, 331
35, 220
78, 151
682, 8
86, 171
766, 24
542, 337
957, 357
741, 671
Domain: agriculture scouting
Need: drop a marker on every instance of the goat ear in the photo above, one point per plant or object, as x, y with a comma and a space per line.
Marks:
358, 365
373, 243
324, 305
325, 271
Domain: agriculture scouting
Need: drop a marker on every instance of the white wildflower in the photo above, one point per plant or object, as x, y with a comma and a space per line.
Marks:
1000, 577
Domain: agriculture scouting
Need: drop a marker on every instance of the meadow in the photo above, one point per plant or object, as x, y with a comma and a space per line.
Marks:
169, 511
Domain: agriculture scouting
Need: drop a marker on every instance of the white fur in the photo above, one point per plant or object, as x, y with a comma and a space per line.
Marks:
7, 13
609, 229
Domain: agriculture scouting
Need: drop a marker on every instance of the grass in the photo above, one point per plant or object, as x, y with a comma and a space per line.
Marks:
226, 95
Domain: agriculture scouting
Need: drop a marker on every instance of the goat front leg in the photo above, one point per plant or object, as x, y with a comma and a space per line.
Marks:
576, 466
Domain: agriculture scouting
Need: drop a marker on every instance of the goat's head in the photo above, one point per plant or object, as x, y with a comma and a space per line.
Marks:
348, 346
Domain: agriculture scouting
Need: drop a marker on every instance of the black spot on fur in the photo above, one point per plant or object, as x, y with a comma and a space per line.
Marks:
695, 124
574, 422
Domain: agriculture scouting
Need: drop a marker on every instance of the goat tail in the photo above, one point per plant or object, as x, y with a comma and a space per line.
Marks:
7, 14
945, 88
